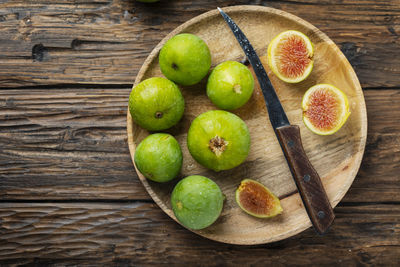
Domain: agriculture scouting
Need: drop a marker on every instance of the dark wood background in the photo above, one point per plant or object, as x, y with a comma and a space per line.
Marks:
68, 190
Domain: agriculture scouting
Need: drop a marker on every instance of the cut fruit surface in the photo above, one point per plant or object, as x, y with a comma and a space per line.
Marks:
256, 200
325, 109
290, 56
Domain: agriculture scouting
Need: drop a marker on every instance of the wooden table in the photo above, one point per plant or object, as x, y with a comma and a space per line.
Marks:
69, 194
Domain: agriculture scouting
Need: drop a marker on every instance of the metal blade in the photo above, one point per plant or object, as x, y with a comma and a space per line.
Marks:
277, 115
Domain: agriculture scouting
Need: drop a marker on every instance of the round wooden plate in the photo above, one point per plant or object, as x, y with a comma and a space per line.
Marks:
336, 158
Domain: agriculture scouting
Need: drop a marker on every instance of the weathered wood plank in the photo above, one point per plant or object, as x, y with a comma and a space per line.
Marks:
71, 144
141, 234
43, 42
379, 173
57, 140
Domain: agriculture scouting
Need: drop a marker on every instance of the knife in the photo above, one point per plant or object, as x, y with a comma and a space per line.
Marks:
306, 177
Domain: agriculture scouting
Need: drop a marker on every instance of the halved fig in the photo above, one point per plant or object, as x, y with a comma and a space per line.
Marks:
325, 109
290, 56
255, 199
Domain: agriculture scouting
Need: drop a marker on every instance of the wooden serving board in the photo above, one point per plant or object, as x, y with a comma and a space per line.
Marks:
336, 158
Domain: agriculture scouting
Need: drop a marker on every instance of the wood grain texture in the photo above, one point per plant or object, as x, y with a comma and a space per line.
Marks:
50, 151
47, 42
307, 179
140, 234
336, 158
53, 141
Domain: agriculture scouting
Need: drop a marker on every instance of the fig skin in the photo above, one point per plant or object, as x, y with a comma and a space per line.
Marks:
218, 140
156, 104
197, 202
185, 59
268, 201
230, 85
159, 157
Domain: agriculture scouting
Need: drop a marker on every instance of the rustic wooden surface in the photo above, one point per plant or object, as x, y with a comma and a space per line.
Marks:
336, 158
68, 191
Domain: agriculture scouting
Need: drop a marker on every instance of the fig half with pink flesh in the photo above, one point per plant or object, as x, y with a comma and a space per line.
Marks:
325, 109
257, 200
290, 56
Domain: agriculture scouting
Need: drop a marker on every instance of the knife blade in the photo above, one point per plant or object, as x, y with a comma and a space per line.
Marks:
307, 180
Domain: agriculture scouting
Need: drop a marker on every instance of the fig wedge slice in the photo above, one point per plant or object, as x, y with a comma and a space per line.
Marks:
257, 200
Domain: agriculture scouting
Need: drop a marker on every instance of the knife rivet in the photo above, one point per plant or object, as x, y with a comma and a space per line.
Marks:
290, 143
321, 214
306, 178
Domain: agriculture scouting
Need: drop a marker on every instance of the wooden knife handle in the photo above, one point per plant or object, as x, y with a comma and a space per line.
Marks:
307, 179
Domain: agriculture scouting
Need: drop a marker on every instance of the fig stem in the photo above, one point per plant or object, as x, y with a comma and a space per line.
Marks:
217, 145
158, 115
237, 88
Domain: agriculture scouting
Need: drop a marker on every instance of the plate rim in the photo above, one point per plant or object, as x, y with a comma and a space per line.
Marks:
358, 156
